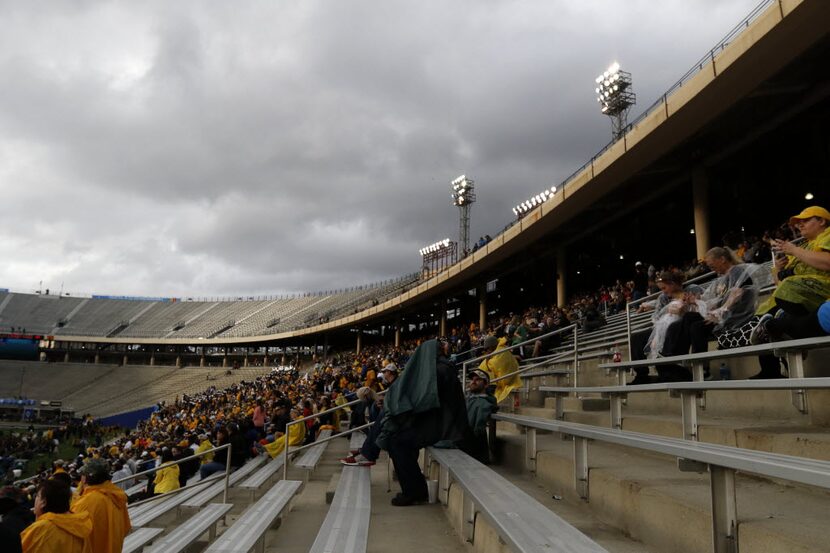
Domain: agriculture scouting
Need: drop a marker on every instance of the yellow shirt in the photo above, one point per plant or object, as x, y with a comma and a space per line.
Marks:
296, 436
58, 533
167, 479
204, 446
107, 507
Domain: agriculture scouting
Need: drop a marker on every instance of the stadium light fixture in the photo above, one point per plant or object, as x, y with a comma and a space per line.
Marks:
463, 196
534, 201
808, 196
615, 96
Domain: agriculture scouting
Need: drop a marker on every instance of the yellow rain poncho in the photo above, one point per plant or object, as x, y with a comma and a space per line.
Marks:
107, 507
296, 436
500, 365
64, 532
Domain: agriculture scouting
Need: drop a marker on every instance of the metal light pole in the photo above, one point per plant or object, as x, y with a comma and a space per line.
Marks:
463, 195
615, 97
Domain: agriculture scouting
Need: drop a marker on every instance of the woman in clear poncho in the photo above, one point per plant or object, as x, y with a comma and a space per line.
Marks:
724, 308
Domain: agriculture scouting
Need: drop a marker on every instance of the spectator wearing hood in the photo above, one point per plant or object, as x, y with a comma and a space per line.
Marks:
106, 504
56, 528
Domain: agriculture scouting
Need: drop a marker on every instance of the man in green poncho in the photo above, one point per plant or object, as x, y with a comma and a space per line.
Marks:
425, 406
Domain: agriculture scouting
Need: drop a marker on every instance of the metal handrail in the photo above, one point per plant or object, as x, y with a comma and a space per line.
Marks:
179, 461
520, 344
523, 370
309, 417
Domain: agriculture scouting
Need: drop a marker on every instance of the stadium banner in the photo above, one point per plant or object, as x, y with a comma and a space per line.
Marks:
134, 298
18, 349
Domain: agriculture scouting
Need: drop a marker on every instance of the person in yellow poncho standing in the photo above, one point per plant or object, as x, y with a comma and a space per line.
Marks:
499, 365
106, 504
296, 436
56, 529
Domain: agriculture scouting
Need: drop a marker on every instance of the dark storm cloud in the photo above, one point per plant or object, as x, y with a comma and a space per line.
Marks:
203, 149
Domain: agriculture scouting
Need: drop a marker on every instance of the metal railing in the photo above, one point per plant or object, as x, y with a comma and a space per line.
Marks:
184, 488
340, 434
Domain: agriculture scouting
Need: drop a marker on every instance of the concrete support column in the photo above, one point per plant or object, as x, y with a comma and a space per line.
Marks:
398, 332
359, 336
225, 358
124, 360
178, 361
561, 277
202, 360
482, 306
325, 348
700, 200
97, 358
66, 357
245, 360
442, 321
152, 359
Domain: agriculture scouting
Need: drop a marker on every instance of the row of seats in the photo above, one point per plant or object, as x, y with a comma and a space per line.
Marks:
70, 316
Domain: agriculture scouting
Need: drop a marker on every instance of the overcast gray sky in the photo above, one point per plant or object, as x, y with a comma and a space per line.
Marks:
223, 148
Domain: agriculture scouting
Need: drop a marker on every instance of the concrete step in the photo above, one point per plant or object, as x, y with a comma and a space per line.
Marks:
647, 498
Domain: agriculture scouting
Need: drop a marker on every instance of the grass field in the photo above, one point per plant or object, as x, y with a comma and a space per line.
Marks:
66, 451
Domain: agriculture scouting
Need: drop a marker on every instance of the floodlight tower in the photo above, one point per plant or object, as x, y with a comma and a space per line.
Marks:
615, 97
463, 195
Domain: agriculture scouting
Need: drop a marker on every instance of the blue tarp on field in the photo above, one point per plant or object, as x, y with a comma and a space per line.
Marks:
129, 419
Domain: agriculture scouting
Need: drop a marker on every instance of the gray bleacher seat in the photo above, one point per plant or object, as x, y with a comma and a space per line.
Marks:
309, 459
140, 537
148, 512
356, 440
523, 523
189, 531
249, 530
255, 481
346, 527
198, 500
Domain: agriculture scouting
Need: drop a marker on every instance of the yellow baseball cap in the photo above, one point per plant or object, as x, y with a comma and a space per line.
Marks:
812, 211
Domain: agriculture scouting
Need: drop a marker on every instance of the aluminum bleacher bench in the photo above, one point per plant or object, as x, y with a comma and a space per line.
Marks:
249, 530
356, 440
792, 350
308, 460
132, 490
189, 531
523, 523
255, 481
721, 461
688, 392
138, 538
346, 527
148, 512
202, 498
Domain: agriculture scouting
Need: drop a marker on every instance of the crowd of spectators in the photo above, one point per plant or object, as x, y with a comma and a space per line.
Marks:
253, 416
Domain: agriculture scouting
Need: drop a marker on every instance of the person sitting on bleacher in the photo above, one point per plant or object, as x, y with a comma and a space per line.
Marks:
802, 274
480, 405
57, 528
643, 344
723, 311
